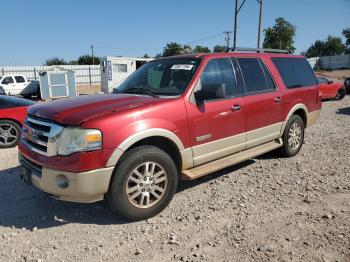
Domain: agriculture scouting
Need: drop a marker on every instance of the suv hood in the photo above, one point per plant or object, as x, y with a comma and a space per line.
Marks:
76, 110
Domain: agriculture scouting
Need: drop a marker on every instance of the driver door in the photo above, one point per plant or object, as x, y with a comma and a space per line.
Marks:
217, 126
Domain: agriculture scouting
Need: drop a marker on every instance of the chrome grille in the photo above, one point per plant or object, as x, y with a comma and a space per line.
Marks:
41, 136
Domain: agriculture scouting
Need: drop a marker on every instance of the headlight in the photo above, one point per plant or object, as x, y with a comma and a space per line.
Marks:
78, 140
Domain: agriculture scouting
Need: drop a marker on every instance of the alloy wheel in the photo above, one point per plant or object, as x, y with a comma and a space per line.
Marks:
294, 136
146, 185
8, 134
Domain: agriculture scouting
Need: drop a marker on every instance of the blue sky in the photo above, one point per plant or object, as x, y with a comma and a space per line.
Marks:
33, 31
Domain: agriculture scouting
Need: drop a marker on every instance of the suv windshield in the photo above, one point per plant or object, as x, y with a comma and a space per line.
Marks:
165, 77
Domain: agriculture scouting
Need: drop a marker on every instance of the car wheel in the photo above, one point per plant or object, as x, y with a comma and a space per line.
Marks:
341, 94
143, 183
9, 133
293, 136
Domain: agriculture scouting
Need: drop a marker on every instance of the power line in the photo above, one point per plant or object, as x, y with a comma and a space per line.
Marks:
210, 37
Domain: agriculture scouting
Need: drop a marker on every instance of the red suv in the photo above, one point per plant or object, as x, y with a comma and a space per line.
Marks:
180, 117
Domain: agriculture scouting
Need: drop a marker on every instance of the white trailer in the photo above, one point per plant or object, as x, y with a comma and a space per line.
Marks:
115, 70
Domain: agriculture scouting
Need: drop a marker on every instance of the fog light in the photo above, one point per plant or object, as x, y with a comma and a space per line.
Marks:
62, 181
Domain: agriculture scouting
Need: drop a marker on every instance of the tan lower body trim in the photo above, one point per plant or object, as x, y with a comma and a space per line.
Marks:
220, 148
217, 149
262, 135
312, 117
83, 187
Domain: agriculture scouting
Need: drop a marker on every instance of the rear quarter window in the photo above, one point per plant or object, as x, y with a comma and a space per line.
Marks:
295, 72
20, 79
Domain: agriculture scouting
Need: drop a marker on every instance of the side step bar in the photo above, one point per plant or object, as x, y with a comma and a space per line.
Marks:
196, 172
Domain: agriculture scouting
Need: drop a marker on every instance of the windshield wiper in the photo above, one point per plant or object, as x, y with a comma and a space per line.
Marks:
136, 90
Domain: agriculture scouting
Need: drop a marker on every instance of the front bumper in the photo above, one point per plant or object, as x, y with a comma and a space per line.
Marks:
84, 187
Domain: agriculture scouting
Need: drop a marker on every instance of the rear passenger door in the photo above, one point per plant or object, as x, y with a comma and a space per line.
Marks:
21, 84
262, 102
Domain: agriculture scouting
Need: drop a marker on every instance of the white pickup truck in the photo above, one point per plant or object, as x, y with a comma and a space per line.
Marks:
18, 85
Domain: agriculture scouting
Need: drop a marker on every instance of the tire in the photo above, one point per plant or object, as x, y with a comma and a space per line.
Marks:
295, 128
10, 133
341, 94
131, 173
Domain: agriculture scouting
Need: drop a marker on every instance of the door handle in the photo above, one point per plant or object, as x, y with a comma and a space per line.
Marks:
235, 107
277, 99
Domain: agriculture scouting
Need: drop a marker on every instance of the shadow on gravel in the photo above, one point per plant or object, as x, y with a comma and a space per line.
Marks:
343, 111
184, 185
23, 206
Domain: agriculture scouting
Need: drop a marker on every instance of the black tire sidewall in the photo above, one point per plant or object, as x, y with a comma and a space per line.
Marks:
18, 129
286, 150
116, 195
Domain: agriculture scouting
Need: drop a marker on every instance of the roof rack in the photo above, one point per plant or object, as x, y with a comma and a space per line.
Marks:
258, 50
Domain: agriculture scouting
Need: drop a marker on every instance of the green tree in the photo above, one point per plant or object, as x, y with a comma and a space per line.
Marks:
87, 60
331, 46
201, 49
219, 49
146, 56
55, 61
172, 48
73, 62
346, 34
280, 36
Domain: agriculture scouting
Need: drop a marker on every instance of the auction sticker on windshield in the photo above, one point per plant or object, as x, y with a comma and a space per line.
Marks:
182, 67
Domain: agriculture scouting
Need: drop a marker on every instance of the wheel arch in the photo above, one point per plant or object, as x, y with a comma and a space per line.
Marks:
298, 109
12, 120
162, 138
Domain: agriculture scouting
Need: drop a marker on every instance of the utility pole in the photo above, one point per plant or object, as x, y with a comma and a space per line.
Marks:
92, 54
261, 2
227, 38
237, 9
235, 26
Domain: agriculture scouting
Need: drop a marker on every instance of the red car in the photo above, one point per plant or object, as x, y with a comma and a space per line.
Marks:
13, 111
175, 118
330, 89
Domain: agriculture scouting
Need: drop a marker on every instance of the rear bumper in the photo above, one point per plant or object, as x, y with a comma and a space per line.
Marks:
84, 187
312, 117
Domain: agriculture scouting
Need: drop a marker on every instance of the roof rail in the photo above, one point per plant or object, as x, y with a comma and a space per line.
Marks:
258, 50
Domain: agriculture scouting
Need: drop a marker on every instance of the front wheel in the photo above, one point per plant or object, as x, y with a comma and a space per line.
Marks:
143, 183
293, 136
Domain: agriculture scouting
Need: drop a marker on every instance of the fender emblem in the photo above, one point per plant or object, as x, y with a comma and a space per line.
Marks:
202, 138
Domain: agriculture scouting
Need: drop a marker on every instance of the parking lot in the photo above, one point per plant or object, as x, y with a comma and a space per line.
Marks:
269, 208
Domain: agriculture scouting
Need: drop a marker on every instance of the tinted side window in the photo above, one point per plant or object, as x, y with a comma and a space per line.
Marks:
255, 77
295, 72
219, 72
322, 80
7, 80
20, 79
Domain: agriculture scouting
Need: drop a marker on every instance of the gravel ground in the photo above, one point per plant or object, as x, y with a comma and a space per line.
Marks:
266, 209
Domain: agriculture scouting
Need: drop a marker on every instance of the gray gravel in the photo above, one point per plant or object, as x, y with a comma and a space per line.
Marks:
266, 209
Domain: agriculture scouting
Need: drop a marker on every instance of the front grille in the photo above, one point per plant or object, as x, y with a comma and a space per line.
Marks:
41, 136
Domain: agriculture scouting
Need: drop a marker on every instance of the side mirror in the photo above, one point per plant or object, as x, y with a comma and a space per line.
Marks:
330, 82
210, 92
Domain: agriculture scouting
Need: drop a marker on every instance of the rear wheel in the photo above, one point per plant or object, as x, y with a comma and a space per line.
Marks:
293, 136
143, 183
9, 133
